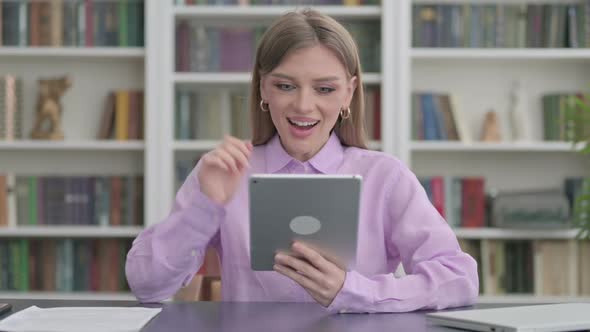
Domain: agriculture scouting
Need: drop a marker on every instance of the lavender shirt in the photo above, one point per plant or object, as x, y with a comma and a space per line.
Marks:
397, 225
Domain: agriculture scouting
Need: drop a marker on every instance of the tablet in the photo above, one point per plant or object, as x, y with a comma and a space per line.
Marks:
320, 210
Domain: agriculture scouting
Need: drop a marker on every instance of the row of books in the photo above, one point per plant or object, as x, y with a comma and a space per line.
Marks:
436, 117
232, 49
460, 200
373, 113
559, 117
208, 114
502, 25
123, 116
575, 189
72, 23
212, 114
61, 200
539, 267
463, 201
279, 2
11, 103
63, 265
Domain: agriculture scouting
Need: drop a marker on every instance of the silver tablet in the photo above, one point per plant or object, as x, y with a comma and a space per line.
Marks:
320, 210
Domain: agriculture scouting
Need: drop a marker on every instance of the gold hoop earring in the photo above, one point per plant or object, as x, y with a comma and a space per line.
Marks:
262, 106
345, 113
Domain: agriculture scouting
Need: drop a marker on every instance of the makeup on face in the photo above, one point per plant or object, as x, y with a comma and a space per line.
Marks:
305, 93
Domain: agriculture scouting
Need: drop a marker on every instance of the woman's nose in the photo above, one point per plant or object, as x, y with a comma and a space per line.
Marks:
305, 101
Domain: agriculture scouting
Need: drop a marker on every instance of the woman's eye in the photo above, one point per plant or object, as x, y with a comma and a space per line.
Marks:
326, 90
285, 87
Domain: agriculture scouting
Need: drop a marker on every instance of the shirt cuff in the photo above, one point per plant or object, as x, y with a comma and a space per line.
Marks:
207, 204
351, 298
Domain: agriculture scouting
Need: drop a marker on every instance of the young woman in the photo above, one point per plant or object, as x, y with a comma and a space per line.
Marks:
307, 117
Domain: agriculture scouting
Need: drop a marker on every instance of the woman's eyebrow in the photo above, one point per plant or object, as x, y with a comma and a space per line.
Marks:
321, 79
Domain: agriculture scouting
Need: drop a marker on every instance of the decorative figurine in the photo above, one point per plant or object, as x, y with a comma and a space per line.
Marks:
491, 128
49, 108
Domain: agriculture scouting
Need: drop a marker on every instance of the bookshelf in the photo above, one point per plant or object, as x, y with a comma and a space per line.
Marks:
72, 145
74, 52
270, 12
58, 231
449, 146
499, 54
99, 58
482, 77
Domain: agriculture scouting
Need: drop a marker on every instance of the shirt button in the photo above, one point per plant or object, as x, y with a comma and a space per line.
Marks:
193, 253
306, 168
298, 168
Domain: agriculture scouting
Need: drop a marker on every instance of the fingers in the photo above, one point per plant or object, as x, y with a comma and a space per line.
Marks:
239, 151
211, 159
302, 280
299, 266
228, 159
321, 278
232, 155
312, 256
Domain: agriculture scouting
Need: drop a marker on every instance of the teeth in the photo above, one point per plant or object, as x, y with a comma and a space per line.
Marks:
303, 124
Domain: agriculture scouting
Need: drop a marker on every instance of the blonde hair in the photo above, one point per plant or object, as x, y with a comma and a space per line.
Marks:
297, 30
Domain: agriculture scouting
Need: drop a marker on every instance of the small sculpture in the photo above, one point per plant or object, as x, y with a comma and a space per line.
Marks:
49, 108
491, 128
520, 127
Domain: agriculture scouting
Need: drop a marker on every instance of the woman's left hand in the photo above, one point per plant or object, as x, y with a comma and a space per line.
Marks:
321, 278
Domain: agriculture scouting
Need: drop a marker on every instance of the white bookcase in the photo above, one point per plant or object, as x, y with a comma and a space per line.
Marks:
94, 71
248, 16
481, 78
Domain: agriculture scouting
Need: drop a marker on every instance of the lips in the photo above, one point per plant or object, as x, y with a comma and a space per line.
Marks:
303, 122
302, 128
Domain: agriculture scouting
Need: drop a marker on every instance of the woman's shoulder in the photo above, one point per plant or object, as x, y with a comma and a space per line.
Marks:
374, 161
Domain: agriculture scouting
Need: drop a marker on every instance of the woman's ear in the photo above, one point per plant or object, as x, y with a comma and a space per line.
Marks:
263, 92
352, 84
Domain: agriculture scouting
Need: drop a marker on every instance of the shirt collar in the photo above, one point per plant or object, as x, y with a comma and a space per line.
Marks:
326, 160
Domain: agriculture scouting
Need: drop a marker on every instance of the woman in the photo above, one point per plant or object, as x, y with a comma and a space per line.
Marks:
307, 115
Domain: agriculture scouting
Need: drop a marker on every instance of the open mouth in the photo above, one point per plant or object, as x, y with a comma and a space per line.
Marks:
303, 124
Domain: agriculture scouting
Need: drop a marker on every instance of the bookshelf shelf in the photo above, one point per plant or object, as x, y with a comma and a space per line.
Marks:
206, 145
195, 145
503, 234
96, 145
71, 231
40, 295
447, 146
74, 52
499, 54
266, 12
239, 78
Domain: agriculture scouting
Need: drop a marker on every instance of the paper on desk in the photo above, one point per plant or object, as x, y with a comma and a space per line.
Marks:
90, 319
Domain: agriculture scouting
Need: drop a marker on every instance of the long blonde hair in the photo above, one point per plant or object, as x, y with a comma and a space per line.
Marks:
297, 30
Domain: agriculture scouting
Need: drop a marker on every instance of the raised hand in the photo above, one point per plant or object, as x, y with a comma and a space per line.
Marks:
321, 278
222, 168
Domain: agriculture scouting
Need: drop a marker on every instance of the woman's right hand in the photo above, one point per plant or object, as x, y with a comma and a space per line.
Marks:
222, 168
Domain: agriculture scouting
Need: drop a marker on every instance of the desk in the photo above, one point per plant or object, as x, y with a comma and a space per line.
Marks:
258, 316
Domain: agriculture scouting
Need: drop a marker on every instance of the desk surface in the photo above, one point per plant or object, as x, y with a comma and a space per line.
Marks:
257, 316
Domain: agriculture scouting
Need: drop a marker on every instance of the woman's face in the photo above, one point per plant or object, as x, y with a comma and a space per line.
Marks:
305, 94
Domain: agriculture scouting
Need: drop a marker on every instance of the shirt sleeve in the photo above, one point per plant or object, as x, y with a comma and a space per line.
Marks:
165, 256
438, 274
